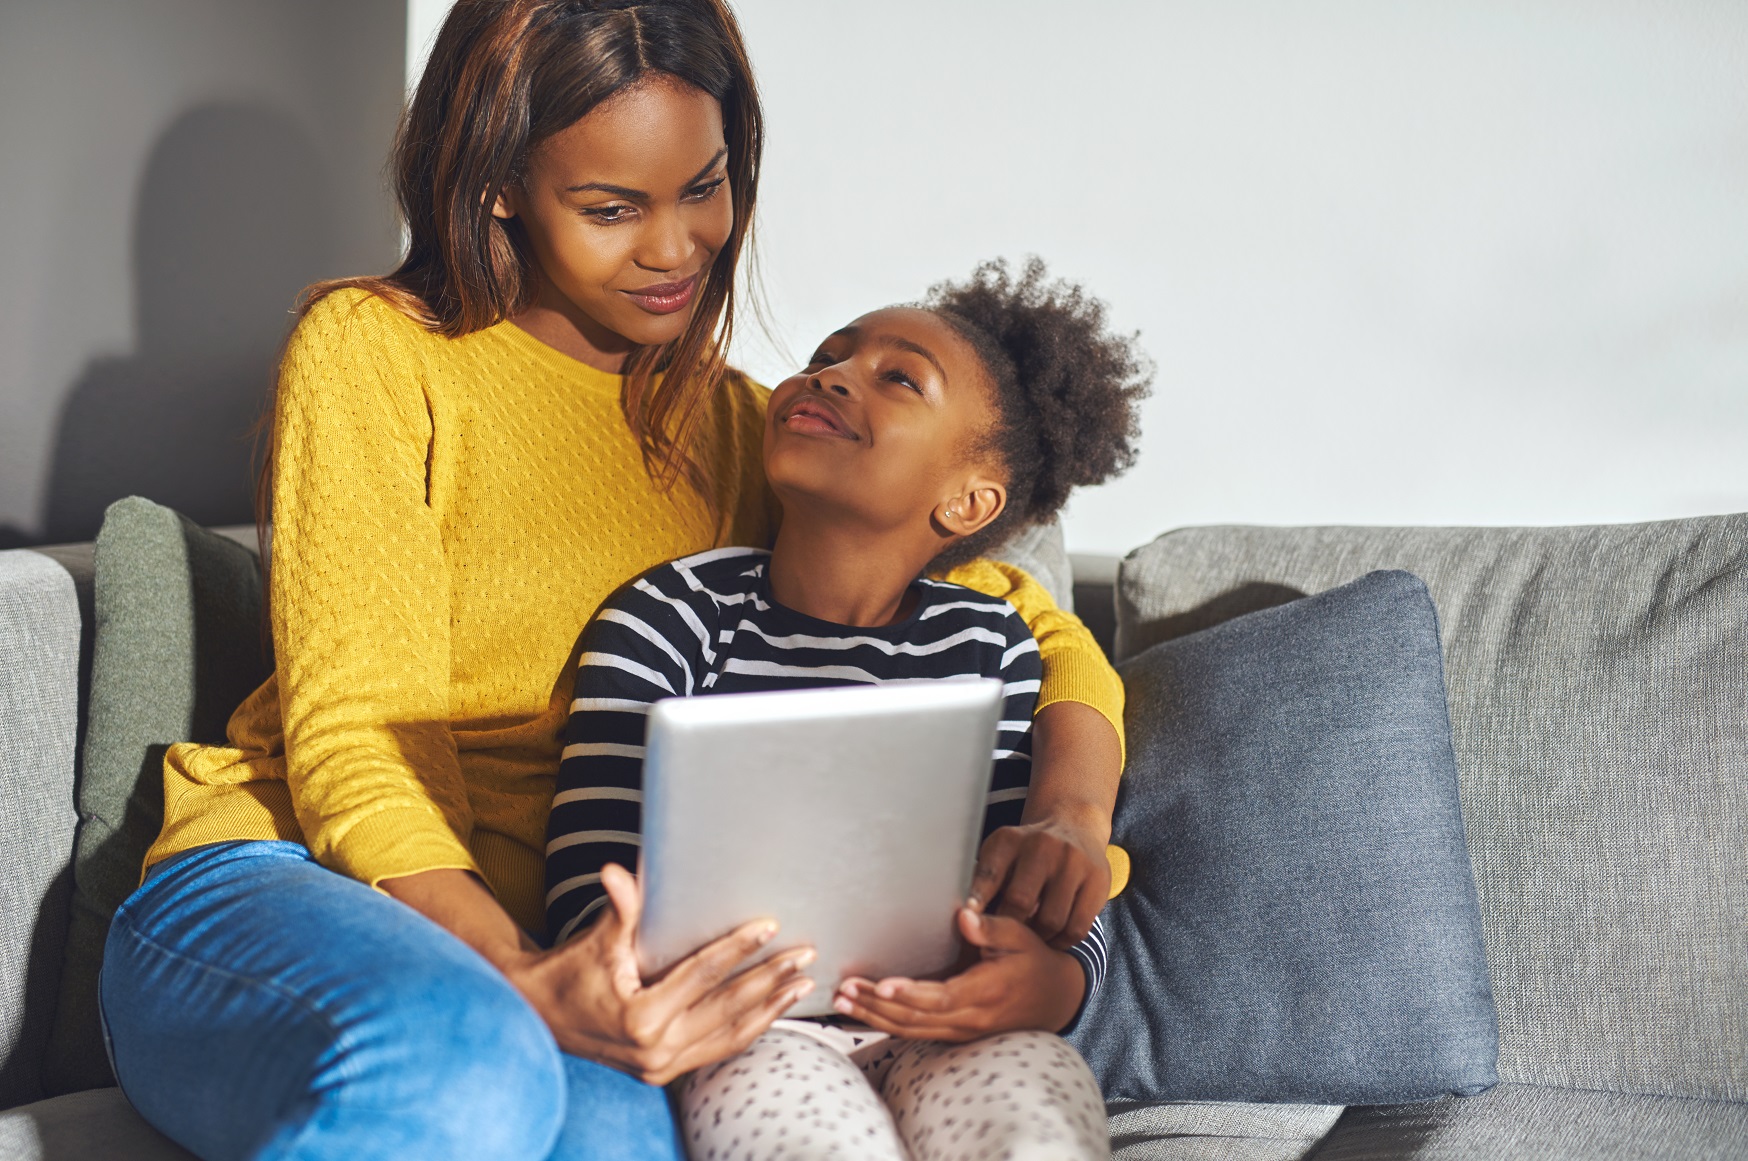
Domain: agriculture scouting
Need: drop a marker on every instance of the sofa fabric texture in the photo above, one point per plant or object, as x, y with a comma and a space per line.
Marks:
1215, 1131
86, 1126
1301, 922
178, 645
1547, 1124
39, 696
1600, 719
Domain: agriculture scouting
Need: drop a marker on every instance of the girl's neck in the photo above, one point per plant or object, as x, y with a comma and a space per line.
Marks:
841, 573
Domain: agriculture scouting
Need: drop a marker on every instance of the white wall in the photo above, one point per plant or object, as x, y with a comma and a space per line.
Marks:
1483, 261
174, 172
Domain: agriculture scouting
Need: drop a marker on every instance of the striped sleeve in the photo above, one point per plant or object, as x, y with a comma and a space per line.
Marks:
1021, 669
649, 641
1094, 956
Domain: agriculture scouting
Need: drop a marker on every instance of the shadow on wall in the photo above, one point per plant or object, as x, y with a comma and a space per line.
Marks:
233, 219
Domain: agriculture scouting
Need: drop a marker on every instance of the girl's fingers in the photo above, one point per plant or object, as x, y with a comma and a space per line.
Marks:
896, 1020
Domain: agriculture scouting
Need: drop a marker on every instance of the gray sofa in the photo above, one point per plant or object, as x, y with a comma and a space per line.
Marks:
1598, 681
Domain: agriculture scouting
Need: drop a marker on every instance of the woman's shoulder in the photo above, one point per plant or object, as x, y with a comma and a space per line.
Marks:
355, 319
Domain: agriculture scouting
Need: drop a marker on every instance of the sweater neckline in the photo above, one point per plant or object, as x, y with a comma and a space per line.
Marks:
558, 360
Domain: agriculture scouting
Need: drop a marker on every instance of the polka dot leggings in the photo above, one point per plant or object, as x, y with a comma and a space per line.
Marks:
1019, 1096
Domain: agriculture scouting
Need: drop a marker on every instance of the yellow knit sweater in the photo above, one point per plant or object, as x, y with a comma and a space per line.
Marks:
448, 514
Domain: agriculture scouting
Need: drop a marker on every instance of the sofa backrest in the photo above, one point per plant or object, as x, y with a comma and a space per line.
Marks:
1598, 687
40, 628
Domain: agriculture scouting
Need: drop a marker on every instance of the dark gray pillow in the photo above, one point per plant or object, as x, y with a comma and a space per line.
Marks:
1301, 924
178, 646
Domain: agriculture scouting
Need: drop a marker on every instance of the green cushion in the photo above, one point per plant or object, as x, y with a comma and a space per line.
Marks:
178, 645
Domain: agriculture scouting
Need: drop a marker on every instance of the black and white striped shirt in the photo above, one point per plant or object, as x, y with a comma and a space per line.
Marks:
707, 624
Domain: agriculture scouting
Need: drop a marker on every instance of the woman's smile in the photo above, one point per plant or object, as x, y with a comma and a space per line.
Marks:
665, 297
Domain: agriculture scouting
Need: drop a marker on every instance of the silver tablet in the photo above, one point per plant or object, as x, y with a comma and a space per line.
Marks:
850, 815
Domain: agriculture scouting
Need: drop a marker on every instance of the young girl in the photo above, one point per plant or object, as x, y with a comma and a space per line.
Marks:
913, 439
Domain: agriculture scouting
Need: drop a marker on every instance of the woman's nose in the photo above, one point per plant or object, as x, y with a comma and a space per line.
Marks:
666, 244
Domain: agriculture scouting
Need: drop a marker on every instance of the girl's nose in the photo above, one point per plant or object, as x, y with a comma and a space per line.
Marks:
831, 379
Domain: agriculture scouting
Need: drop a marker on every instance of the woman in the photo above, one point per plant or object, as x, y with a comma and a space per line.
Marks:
468, 456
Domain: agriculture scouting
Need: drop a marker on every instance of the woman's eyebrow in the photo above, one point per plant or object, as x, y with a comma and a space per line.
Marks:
637, 195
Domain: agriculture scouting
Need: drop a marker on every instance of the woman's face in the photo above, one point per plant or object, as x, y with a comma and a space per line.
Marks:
626, 210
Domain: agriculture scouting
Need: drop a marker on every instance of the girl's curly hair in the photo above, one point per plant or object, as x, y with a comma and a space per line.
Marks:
1066, 390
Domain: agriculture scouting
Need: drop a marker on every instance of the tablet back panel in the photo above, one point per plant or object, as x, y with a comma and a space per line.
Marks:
850, 815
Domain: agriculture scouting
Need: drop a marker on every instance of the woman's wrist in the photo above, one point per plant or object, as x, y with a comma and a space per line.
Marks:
459, 903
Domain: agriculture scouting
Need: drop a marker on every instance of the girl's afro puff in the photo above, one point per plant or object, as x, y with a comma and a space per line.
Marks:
1066, 390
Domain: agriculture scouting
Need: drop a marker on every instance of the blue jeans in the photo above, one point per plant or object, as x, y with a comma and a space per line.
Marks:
261, 1006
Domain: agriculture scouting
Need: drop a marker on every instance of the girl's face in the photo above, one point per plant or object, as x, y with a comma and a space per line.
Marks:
626, 210
882, 427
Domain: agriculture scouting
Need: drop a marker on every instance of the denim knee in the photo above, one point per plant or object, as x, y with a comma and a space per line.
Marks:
473, 1064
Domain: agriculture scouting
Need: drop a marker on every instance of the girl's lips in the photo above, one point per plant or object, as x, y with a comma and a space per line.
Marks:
812, 417
666, 297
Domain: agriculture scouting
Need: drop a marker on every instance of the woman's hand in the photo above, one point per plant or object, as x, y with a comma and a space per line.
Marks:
1018, 982
591, 994
1048, 874
1051, 871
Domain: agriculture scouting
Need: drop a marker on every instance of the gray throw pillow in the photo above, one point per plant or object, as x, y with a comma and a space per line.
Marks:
1301, 924
177, 647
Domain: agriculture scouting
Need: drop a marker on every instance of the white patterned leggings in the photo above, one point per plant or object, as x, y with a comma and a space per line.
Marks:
1018, 1096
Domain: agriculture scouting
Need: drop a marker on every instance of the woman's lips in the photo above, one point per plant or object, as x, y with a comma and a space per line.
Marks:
665, 297
813, 417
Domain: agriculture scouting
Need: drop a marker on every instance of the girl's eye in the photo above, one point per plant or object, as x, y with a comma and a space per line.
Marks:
705, 191
607, 215
904, 380
820, 359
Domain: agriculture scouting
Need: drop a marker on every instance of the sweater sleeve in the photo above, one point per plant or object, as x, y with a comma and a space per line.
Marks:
649, 641
360, 601
1075, 668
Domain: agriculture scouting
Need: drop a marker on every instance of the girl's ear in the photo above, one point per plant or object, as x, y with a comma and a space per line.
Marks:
982, 501
505, 204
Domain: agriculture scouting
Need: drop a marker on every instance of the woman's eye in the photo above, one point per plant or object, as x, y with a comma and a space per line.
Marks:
609, 214
705, 191
903, 380
820, 359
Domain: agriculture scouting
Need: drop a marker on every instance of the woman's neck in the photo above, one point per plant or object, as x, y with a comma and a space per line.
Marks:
843, 574
555, 321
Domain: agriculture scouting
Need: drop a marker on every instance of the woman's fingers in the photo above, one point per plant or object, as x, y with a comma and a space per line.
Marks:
1057, 905
1039, 862
1088, 902
995, 860
710, 965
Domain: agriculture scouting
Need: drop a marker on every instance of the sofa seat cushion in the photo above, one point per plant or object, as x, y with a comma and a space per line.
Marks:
1522, 1122
83, 1126
1216, 1131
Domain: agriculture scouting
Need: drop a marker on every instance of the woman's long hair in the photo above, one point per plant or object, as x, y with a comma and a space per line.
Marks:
504, 76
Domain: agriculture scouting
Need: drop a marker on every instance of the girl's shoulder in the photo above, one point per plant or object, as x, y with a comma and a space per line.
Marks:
352, 314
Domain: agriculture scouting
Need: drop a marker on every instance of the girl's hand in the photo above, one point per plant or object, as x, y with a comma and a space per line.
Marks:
1019, 982
1048, 874
591, 995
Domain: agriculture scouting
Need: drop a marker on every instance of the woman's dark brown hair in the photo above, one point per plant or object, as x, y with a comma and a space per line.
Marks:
504, 76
